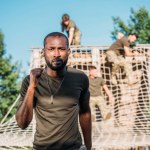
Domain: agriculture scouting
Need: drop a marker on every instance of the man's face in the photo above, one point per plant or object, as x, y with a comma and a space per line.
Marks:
93, 72
56, 52
132, 38
66, 22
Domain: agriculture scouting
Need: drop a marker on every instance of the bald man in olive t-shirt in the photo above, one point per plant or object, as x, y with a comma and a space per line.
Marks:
58, 96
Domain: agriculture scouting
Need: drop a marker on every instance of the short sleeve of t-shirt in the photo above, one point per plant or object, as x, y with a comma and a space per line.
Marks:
102, 81
85, 92
125, 41
24, 88
71, 24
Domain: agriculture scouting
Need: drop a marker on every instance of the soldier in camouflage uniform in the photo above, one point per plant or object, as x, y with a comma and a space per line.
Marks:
72, 30
96, 87
116, 55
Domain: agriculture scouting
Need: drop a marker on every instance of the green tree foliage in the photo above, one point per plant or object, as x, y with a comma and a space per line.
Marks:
9, 83
138, 23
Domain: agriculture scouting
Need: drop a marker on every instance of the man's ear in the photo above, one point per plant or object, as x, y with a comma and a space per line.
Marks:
42, 52
69, 51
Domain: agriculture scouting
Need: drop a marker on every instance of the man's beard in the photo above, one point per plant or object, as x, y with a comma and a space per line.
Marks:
55, 67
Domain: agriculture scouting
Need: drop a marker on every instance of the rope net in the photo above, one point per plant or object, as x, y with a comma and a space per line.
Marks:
128, 124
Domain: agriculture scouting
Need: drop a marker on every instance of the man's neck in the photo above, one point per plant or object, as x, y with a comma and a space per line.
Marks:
92, 77
56, 74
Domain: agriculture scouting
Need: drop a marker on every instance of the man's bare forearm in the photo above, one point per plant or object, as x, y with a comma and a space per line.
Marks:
24, 114
85, 122
71, 33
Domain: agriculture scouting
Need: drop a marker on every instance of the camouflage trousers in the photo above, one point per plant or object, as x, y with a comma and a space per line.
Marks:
118, 62
101, 103
76, 39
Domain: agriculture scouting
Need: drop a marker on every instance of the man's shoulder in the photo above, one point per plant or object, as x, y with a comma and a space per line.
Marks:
99, 79
26, 78
76, 72
124, 41
77, 77
124, 38
71, 69
71, 23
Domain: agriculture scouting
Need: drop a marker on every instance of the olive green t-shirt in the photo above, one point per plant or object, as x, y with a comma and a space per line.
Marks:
118, 46
57, 122
72, 25
95, 86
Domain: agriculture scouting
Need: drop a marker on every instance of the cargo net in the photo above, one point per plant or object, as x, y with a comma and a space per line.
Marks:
128, 122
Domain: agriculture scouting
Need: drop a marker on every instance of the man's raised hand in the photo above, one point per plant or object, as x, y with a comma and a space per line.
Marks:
34, 75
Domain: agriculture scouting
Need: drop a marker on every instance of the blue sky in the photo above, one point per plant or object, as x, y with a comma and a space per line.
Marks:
25, 23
